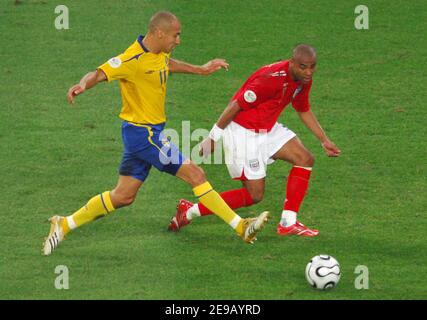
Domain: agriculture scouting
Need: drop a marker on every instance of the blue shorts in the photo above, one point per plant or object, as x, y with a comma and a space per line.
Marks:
146, 146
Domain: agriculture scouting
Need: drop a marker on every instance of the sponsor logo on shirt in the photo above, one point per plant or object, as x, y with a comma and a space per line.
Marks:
115, 62
278, 74
249, 96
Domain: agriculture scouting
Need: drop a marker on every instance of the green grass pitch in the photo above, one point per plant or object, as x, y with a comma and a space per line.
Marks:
369, 204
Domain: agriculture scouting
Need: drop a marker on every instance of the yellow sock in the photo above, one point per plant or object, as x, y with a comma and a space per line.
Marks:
213, 201
97, 207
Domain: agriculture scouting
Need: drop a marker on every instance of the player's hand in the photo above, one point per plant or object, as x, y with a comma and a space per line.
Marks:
73, 92
214, 65
206, 147
331, 149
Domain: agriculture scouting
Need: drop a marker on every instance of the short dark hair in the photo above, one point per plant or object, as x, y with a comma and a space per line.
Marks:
304, 49
161, 20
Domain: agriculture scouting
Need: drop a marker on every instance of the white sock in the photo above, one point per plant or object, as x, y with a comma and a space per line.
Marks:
193, 212
288, 218
235, 222
71, 223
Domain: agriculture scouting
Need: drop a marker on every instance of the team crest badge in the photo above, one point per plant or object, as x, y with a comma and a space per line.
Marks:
115, 62
165, 142
254, 164
249, 96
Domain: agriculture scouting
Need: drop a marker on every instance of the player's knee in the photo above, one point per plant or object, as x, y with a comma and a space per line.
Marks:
257, 196
122, 200
197, 176
128, 200
306, 160
309, 160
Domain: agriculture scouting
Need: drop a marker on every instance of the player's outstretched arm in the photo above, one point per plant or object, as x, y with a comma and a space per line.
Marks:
88, 81
310, 120
208, 145
176, 66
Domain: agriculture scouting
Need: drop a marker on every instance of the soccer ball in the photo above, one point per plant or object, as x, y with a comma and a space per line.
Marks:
323, 272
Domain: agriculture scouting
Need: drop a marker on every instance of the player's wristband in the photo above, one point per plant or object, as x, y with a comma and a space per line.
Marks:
216, 133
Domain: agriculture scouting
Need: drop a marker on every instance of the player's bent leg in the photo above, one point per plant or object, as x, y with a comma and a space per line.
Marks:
252, 192
295, 153
235, 199
125, 192
191, 173
97, 207
255, 188
194, 175
187, 211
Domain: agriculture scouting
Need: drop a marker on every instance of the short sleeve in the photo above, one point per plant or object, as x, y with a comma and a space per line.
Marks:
301, 102
255, 92
121, 67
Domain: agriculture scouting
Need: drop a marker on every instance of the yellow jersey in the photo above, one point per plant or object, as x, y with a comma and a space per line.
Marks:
142, 76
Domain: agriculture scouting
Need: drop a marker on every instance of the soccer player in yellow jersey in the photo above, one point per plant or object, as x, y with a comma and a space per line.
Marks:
142, 71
